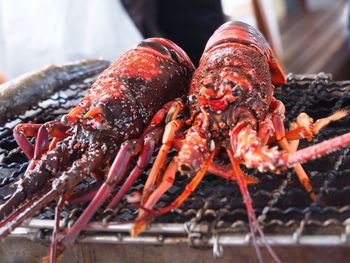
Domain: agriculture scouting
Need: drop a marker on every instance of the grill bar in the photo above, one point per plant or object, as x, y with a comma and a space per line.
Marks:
116, 233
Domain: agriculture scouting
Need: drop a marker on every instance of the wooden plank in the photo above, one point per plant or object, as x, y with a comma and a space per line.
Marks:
318, 39
313, 50
309, 30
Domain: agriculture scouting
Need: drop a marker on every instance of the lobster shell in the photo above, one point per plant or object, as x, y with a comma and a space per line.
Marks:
239, 32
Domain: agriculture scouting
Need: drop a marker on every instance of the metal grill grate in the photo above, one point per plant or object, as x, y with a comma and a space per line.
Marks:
282, 205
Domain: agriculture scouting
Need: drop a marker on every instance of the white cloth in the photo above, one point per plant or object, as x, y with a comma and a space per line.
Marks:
40, 32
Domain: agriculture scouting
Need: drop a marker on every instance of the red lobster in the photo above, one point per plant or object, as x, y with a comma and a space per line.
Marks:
232, 110
121, 117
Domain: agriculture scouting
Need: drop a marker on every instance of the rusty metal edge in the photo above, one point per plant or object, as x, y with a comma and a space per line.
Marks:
175, 234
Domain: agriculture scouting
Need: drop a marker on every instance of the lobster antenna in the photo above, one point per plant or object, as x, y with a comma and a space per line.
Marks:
254, 225
28, 212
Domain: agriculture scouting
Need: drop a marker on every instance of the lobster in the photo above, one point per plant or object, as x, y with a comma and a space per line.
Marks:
232, 112
119, 120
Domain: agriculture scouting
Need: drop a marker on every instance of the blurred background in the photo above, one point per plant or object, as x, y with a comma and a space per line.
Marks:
308, 36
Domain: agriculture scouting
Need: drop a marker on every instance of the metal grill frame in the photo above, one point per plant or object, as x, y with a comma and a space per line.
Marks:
198, 234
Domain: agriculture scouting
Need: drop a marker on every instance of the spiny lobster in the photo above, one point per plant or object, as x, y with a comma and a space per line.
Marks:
233, 110
120, 118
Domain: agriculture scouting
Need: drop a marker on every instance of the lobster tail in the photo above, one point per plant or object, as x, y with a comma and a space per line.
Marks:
240, 32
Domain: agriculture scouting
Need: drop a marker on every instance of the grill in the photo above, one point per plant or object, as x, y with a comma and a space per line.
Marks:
214, 215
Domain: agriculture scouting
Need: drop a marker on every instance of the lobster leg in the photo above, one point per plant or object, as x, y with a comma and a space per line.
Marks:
304, 126
280, 133
166, 183
148, 148
143, 160
115, 175
42, 131
118, 168
228, 174
127, 150
299, 170
195, 146
170, 129
150, 142
214, 167
168, 112
32, 186
79, 198
53, 248
30, 210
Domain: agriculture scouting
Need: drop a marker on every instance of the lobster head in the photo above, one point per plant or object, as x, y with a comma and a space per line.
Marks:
237, 67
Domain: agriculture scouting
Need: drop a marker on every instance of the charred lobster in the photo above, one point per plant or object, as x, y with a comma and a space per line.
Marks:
233, 110
121, 117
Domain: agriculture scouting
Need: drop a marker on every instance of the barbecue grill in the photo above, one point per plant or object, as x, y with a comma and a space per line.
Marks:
214, 217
